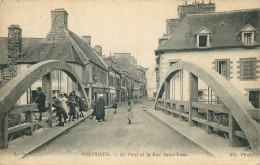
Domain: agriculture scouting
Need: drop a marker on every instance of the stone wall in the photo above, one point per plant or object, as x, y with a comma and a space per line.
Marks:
14, 43
197, 8
59, 22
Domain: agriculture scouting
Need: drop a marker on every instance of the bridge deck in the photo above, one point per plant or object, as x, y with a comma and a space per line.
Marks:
22, 146
152, 131
214, 144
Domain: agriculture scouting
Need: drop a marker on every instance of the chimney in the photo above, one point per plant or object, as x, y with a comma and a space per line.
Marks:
59, 19
98, 49
14, 43
209, 1
87, 39
202, 2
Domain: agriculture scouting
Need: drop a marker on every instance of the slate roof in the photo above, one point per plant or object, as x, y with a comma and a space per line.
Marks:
89, 51
28, 44
225, 28
70, 49
56, 51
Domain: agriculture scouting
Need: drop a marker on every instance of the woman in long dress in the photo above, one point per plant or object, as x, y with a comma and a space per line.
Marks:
63, 100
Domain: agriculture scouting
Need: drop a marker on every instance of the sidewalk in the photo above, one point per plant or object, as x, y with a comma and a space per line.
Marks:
216, 145
20, 147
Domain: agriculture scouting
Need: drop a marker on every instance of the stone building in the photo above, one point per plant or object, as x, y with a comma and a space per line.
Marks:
13, 48
64, 45
113, 78
129, 65
227, 41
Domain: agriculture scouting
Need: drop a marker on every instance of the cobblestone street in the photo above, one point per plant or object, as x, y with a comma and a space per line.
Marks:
116, 136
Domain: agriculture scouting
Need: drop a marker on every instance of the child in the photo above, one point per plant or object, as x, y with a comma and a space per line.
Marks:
94, 110
115, 104
82, 107
130, 113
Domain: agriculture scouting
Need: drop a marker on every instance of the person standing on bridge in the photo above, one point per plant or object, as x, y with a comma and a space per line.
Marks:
60, 112
72, 104
63, 100
76, 98
100, 108
40, 100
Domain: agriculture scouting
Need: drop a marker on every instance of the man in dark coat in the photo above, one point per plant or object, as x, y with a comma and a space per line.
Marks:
40, 100
100, 108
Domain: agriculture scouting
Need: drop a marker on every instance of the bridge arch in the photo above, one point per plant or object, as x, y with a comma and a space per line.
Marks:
233, 100
15, 88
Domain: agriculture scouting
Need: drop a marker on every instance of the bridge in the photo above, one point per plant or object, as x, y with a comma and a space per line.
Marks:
240, 128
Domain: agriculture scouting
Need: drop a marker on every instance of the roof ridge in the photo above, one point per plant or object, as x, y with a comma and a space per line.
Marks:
101, 59
80, 53
71, 49
223, 12
231, 22
173, 32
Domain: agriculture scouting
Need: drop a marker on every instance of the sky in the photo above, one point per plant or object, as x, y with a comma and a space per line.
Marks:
126, 26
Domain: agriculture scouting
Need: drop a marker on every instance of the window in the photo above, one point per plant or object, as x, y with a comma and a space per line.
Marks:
203, 41
247, 35
177, 75
200, 95
248, 69
222, 68
203, 38
254, 98
55, 74
247, 39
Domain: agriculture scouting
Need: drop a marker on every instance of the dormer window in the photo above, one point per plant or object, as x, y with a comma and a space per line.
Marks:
203, 38
248, 38
247, 35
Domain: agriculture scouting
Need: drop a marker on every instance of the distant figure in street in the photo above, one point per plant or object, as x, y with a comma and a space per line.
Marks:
60, 112
40, 100
115, 104
129, 113
94, 110
100, 108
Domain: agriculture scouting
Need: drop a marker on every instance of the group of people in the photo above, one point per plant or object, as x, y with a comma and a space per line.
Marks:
72, 107
69, 107
99, 109
65, 106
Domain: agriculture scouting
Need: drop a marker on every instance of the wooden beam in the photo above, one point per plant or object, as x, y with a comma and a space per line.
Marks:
18, 127
213, 107
28, 119
25, 108
4, 132
209, 129
233, 139
47, 87
193, 95
178, 102
218, 126
254, 113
